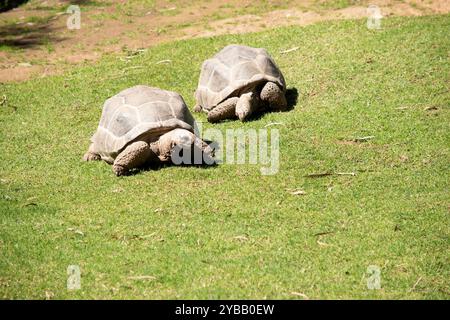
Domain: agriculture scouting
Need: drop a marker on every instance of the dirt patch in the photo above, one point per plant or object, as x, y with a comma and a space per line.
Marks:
35, 41
254, 23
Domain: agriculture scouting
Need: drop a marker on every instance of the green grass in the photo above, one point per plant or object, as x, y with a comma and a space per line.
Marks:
179, 224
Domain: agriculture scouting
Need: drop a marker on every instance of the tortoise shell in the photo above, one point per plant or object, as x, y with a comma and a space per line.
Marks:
234, 70
140, 112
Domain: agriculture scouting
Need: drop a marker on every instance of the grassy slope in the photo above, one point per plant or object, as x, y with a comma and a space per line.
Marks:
179, 224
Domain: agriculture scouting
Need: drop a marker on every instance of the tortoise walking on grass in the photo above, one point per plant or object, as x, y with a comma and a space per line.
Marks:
238, 81
143, 125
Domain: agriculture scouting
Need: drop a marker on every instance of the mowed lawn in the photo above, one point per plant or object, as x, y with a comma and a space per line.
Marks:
228, 231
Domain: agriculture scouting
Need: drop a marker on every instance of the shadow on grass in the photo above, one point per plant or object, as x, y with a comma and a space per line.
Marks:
291, 97
38, 31
41, 32
6, 5
24, 36
163, 165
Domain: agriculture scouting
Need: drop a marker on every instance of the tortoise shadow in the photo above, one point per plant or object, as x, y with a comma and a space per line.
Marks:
211, 163
291, 98
165, 165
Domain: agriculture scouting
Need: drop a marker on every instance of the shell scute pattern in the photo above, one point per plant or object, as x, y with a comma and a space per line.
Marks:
233, 70
136, 112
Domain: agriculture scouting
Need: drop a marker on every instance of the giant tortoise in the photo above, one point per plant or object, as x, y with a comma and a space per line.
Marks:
143, 125
238, 81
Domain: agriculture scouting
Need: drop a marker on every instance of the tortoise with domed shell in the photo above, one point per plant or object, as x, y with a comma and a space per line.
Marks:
143, 125
238, 81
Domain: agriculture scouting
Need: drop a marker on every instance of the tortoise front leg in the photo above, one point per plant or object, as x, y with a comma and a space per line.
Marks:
272, 94
247, 104
198, 108
90, 155
133, 156
224, 110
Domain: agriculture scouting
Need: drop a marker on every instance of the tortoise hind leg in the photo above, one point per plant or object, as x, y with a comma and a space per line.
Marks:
90, 155
272, 94
133, 156
224, 110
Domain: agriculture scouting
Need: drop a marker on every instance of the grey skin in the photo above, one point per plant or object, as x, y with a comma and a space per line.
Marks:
143, 125
239, 81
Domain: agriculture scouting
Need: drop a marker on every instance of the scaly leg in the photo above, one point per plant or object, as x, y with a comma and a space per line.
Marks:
274, 96
197, 108
90, 155
224, 110
133, 156
247, 104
